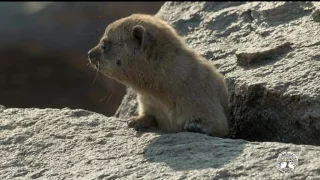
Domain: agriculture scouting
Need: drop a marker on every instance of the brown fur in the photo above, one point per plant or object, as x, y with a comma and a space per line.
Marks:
178, 90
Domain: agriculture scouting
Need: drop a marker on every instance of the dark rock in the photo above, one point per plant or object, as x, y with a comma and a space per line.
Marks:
316, 15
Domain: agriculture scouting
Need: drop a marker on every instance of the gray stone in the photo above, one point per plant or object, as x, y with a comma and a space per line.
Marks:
269, 54
78, 144
316, 15
128, 106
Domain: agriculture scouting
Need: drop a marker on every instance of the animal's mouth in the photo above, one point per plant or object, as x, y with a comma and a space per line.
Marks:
94, 59
95, 63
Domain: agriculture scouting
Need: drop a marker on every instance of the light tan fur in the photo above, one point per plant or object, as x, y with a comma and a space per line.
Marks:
177, 89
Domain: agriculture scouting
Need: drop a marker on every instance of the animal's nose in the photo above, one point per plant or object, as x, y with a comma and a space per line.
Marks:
92, 57
90, 54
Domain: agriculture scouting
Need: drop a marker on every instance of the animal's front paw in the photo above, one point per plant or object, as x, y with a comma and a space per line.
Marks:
196, 127
135, 124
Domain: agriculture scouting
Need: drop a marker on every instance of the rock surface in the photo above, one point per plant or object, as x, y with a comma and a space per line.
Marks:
269, 53
78, 144
128, 106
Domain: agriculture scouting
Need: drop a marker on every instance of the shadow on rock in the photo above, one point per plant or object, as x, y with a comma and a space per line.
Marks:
191, 151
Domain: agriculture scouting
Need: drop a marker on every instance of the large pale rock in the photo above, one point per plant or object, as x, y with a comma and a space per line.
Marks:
270, 55
78, 144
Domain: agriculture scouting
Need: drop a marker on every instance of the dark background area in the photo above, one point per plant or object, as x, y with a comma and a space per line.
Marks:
43, 54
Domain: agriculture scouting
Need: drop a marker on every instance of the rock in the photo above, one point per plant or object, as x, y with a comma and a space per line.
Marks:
269, 54
2, 108
253, 56
316, 15
69, 144
128, 106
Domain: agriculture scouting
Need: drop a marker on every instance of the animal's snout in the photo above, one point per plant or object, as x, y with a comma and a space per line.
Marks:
93, 56
90, 55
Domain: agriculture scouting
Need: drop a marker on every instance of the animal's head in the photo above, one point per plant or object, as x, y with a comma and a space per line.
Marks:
133, 46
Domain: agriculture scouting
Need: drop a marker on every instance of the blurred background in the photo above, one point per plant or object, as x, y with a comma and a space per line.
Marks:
43, 54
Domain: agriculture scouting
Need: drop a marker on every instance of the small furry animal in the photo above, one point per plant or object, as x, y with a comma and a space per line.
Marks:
177, 89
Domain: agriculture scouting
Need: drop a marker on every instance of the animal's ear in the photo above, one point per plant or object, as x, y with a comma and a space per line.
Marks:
139, 33
145, 40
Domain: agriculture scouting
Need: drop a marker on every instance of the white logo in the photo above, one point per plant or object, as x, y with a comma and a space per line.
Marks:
286, 162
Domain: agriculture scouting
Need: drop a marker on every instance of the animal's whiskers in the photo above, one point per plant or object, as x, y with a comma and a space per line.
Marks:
97, 72
108, 98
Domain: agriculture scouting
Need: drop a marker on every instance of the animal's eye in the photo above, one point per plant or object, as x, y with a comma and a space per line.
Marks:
105, 45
